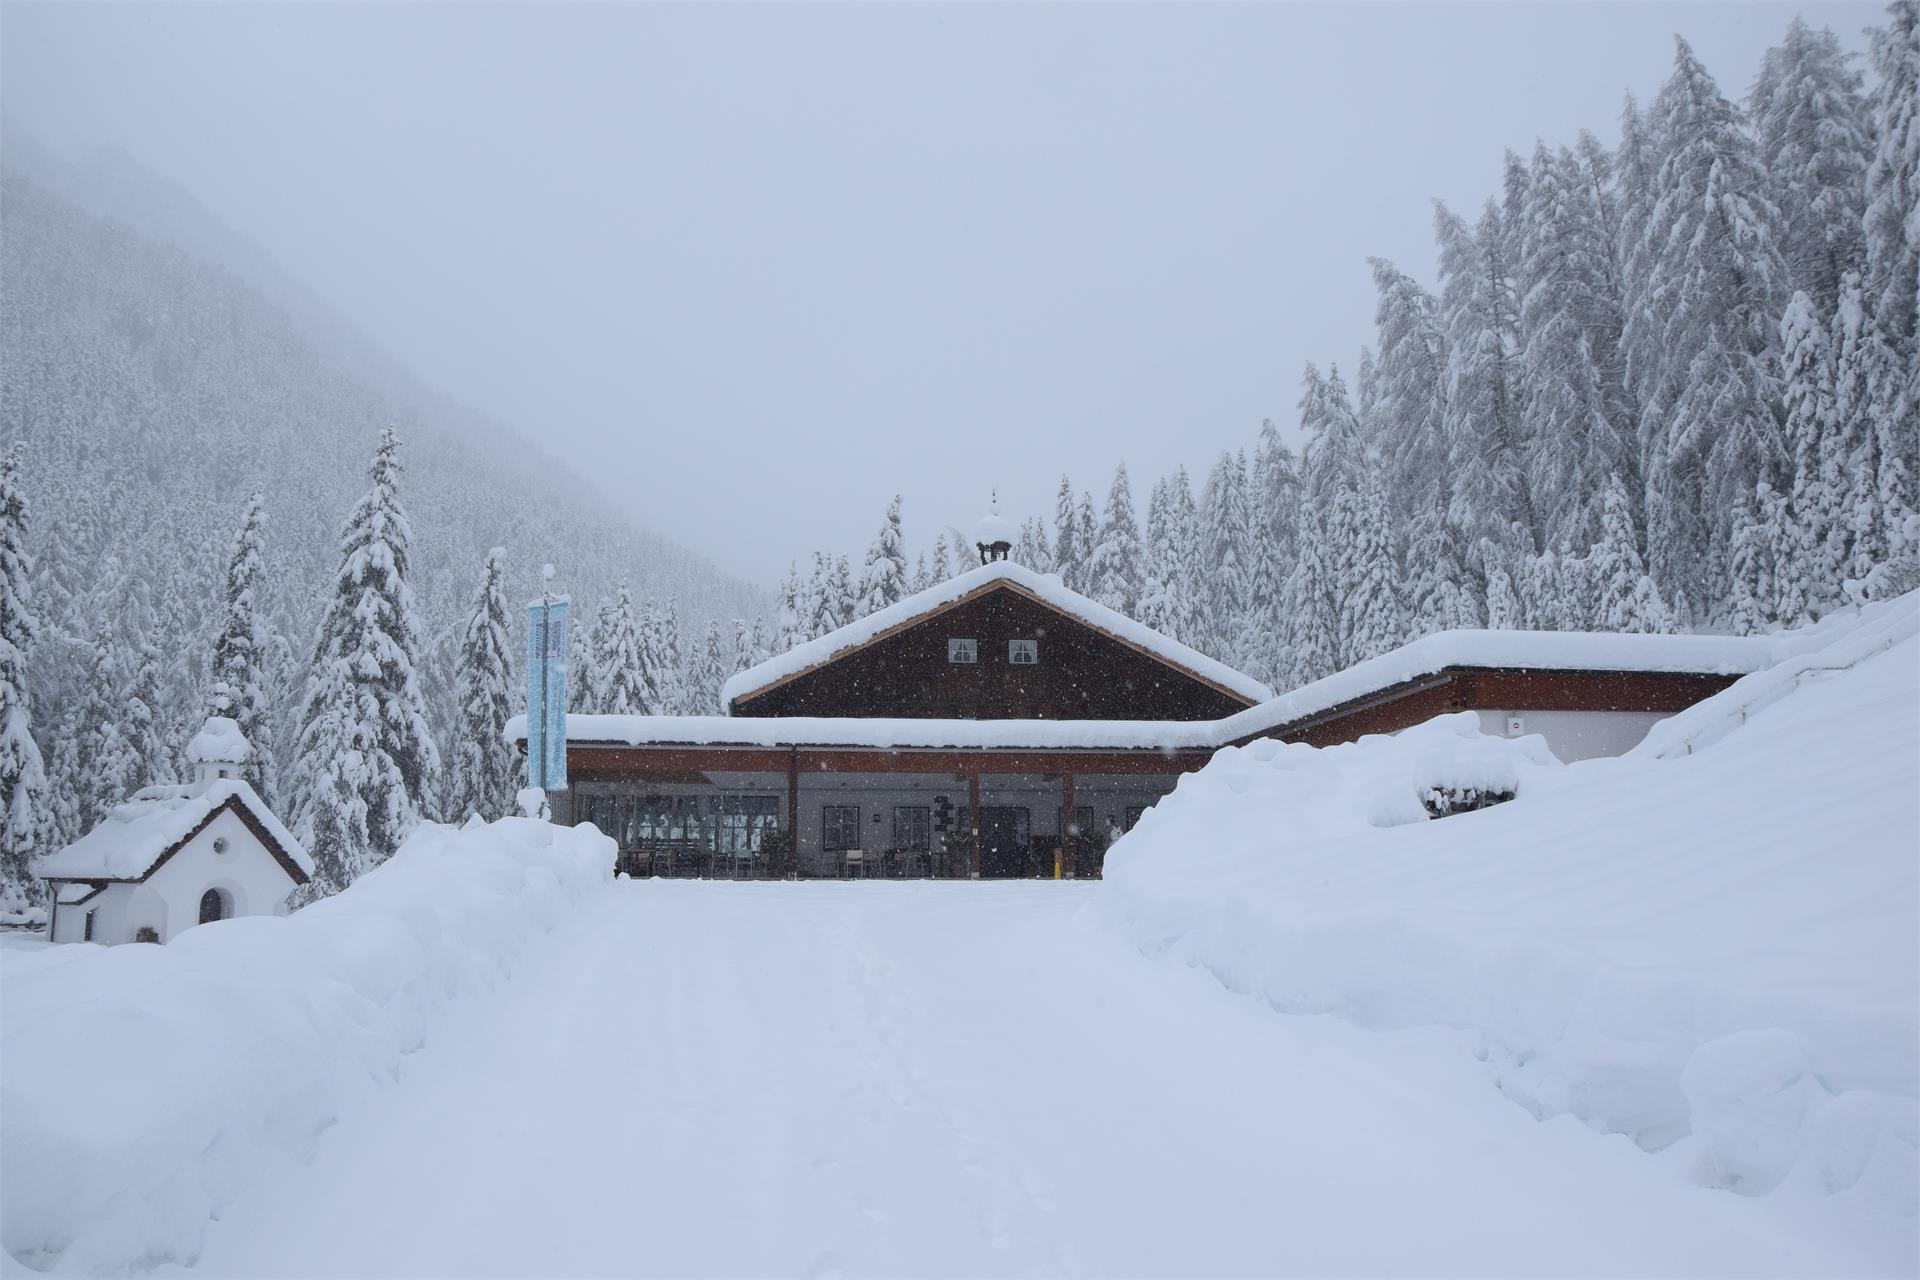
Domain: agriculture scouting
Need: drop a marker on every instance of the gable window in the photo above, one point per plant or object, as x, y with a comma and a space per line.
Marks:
963, 651
1023, 653
213, 906
839, 827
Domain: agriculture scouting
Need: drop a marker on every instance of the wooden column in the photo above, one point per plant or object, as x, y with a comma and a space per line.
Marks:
1066, 825
793, 811
973, 821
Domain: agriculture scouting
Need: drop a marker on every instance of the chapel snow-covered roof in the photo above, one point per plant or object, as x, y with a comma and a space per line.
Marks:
140, 833
1044, 587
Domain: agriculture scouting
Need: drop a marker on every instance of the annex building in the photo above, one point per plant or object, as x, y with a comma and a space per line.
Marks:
999, 725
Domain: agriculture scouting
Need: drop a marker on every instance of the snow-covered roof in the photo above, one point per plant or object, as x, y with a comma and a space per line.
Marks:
902, 733
1511, 651
219, 742
138, 834
1044, 587
1597, 652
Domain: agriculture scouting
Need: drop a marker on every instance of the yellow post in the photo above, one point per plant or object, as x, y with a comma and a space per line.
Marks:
1056, 862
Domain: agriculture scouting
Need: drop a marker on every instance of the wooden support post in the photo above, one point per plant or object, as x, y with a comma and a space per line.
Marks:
1066, 825
973, 822
793, 812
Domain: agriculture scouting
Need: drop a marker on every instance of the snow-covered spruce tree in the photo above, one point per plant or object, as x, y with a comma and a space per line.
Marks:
1483, 430
1069, 557
1032, 550
344, 768
108, 769
1086, 536
1225, 534
1275, 501
1372, 618
1750, 581
1811, 548
1572, 408
24, 805
143, 714
1183, 527
1114, 570
1411, 413
1505, 609
820, 599
1308, 612
1708, 325
627, 684
757, 644
1626, 598
884, 580
1816, 141
1890, 377
790, 621
940, 564
240, 689
1862, 470
484, 774
744, 647
1161, 564
706, 673
846, 597
364, 725
665, 654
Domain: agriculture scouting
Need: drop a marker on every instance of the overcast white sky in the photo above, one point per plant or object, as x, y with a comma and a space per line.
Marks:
755, 269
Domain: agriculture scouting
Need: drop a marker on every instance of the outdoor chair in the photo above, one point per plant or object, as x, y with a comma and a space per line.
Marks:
854, 864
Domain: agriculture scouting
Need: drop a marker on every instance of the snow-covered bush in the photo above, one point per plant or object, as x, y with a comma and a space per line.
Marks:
145, 1085
1714, 938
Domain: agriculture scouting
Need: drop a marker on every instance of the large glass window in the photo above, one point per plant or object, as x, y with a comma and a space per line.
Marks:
839, 827
745, 821
912, 824
1133, 815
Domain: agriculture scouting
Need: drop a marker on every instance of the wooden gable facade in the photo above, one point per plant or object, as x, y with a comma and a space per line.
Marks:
1029, 660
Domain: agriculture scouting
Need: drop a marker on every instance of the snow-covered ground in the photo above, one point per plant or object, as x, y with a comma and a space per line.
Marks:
1713, 943
947, 1079
1695, 967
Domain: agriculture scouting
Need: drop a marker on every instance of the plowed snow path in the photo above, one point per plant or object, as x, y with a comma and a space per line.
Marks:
953, 1079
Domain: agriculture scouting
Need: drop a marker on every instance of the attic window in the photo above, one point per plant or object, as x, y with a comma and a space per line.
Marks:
963, 651
219, 844
1023, 653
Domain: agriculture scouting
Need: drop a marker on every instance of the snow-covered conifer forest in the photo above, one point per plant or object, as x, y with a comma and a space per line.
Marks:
1665, 385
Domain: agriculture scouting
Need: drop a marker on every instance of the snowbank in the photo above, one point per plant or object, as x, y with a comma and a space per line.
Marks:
1716, 939
145, 1085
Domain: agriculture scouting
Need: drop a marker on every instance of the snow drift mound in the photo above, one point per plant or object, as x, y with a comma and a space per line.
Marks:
145, 1085
1715, 938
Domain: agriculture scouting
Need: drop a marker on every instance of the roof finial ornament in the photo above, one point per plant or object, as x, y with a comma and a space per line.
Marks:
993, 535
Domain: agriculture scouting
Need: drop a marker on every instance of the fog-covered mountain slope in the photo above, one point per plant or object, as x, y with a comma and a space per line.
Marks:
154, 388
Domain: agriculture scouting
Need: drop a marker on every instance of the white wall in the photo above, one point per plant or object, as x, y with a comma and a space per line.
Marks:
1579, 735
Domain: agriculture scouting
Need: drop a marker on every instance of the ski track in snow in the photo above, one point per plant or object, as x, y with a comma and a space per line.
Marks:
864, 1079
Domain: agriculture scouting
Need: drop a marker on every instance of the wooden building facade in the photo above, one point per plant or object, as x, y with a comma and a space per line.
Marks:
1000, 725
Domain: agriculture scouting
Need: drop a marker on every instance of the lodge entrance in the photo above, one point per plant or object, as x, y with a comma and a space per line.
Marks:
1006, 834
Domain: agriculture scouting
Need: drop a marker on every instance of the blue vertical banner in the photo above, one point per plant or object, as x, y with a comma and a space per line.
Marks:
547, 694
